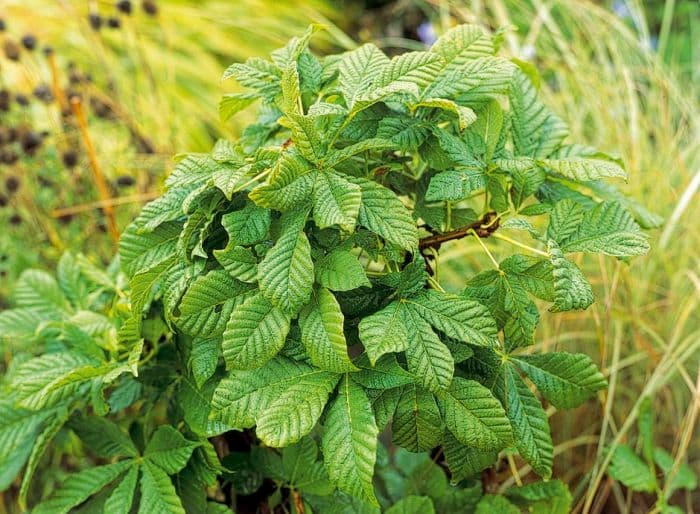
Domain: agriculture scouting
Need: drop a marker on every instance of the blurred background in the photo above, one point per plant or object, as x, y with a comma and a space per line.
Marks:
96, 97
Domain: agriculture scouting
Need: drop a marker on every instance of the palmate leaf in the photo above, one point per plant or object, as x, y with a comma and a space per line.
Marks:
384, 332
463, 461
341, 271
428, 358
248, 225
358, 69
80, 486
565, 379
417, 425
121, 499
608, 229
18, 431
465, 320
207, 304
536, 131
240, 262
463, 43
454, 185
297, 409
306, 135
528, 420
475, 417
158, 493
255, 332
412, 67
322, 333
350, 442
286, 274
582, 169
383, 213
289, 185
571, 289
243, 395
168, 449
336, 201
232, 103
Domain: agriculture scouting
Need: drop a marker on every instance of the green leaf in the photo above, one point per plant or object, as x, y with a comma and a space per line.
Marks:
571, 289
350, 442
169, 450
607, 229
412, 505
565, 219
207, 304
288, 186
463, 43
551, 497
384, 332
632, 471
243, 395
296, 410
684, 478
257, 74
203, 359
465, 115
583, 169
306, 135
384, 374
428, 358
565, 379
322, 333
336, 201
417, 425
465, 320
489, 125
232, 103
240, 262
529, 422
383, 213
139, 251
158, 493
298, 457
358, 69
412, 67
19, 429
465, 462
286, 274
491, 503
454, 185
406, 132
475, 417
78, 487
248, 225
340, 270
537, 132
104, 437
254, 334
122, 497
38, 290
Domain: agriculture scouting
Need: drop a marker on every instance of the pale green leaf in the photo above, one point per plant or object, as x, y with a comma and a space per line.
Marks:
632, 471
358, 69
350, 442
286, 274
475, 417
565, 379
340, 270
296, 410
248, 225
322, 333
583, 169
384, 332
336, 201
571, 289
254, 333
428, 358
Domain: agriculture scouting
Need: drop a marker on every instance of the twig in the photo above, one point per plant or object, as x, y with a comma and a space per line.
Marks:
100, 182
483, 228
122, 200
56, 83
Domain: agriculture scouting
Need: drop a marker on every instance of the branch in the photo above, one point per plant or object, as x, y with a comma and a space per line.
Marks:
484, 227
